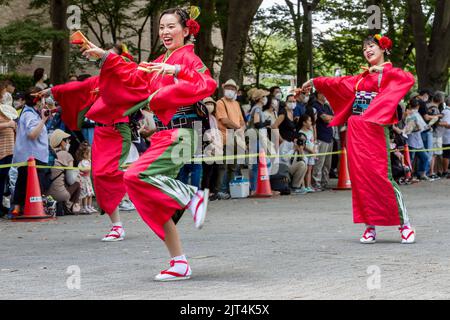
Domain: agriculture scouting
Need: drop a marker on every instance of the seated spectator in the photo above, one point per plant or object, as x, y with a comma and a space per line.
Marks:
31, 141
291, 156
64, 187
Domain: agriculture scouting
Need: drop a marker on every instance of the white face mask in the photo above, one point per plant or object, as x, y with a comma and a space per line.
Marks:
264, 101
291, 105
230, 94
45, 77
67, 147
275, 103
306, 100
279, 96
210, 108
17, 104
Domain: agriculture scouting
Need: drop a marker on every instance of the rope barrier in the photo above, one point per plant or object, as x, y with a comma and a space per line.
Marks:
225, 158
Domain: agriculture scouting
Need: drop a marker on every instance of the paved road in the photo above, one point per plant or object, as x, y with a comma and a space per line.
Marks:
295, 247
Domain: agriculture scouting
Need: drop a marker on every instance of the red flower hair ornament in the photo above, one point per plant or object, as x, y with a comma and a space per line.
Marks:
194, 27
384, 42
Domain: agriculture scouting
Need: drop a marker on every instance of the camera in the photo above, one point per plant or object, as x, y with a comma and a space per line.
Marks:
47, 113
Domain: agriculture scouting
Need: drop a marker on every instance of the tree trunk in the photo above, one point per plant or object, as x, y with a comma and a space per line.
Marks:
204, 46
239, 21
433, 58
60, 47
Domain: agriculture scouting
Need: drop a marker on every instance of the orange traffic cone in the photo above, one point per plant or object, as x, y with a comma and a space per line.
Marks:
34, 208
408, 161
344, 182
263, 188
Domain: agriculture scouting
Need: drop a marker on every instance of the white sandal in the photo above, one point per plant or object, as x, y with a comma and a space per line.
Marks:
117, 233
167, 275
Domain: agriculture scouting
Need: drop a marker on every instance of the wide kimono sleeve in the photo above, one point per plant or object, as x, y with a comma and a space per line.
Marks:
121, 83
340, 92
75, 99
193, 84
394, 86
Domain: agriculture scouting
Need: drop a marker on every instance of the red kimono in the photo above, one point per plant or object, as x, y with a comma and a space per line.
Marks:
151, 181
377, 199
111, 143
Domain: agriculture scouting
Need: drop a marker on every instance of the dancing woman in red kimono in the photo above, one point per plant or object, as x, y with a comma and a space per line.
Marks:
169, 87
368, 103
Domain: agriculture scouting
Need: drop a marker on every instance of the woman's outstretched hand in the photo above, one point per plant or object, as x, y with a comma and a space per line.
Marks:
43, 94
160, 68
93, 51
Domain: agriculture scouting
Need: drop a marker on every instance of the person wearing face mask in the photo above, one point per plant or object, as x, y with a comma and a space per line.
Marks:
278, 94
213, 147
321, 171
285, 122
300, 108
259, 123
31, 141
19, 102
230, 120
7, 96
65, 185
40, 77
270, 109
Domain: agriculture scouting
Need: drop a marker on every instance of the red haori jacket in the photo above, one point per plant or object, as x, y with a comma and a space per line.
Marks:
126, 89
75, 99
121, 89
340, 92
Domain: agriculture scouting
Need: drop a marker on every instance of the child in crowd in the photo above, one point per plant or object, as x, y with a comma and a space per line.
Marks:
87, 190
306, 127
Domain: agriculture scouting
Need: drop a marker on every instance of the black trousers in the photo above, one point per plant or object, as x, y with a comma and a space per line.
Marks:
21, 184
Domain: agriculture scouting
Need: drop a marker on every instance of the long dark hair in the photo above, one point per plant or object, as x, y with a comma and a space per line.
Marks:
270, 97
183, 17
38, 74
310, 107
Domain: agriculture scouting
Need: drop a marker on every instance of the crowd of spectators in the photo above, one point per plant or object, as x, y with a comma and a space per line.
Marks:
294, 127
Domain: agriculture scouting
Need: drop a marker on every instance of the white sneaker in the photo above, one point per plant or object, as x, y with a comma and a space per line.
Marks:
173, 273
408, 235
199, 207
126, 205
369, 236
117, 233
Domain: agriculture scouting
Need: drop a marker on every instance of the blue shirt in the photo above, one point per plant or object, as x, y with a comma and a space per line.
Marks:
324, 132
26, 147
299, 110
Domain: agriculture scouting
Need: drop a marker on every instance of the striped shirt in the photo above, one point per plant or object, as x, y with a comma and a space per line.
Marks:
7, 137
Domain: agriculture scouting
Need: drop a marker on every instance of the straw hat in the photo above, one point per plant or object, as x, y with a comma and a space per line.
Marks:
259, 93
57, 137
230, 83
209, 100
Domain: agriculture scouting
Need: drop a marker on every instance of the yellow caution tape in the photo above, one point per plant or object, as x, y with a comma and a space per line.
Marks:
218, 158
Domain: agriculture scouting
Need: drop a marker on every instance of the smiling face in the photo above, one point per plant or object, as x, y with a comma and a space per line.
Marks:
373, 53
171, 32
